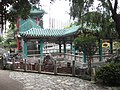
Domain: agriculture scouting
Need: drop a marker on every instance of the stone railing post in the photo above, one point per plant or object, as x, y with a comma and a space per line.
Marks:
13, 64
93, 75
25, 66
55, 67
39, 66
73, 68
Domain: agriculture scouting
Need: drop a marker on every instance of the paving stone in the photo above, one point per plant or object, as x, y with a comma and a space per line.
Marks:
29, 88
32, 81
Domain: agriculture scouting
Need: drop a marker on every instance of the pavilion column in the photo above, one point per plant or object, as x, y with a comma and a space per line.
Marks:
41, 55
71, 47
74, 54
37, 20
64, 50
84, 56
25, 54
71, 50
13, 63
100, 49
73, 63
111, 46
59, 48
55, 67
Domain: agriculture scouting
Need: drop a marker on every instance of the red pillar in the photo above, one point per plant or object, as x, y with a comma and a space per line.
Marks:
37, 21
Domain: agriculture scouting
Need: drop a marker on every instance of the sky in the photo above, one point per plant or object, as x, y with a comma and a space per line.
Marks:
57, 14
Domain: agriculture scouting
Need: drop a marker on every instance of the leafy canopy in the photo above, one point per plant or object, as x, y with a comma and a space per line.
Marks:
86, 44
20, 8
105, 17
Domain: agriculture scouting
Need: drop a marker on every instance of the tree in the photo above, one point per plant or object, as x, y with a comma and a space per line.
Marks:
80, 7
1, 41
19, 8
10, 40
87, 44
1, 38
101, 24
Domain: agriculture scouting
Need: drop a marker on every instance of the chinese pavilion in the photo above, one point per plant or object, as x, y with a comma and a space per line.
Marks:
30, 31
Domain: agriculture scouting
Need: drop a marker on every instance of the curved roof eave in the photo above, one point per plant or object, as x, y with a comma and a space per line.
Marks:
38, 32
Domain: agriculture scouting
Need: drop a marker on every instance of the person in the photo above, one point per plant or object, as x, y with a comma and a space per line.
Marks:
47, 62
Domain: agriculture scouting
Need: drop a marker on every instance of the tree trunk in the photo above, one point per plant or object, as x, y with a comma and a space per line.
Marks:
89, 65
116, 18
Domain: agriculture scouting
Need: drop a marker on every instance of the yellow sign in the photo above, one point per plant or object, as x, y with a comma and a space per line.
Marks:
106, 45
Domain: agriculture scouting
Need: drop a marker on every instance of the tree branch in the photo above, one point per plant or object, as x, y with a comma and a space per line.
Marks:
115, 5
111, 8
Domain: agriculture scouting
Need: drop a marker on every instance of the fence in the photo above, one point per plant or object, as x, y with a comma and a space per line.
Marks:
57, 63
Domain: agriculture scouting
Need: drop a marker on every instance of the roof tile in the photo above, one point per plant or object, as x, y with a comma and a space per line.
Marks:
32, 29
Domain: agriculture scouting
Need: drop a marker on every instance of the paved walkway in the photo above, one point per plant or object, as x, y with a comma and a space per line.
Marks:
6, 83
34, 81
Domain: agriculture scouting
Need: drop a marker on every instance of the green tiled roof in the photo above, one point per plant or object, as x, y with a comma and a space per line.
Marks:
31, 29
71, 30
39, 32
37, 11
28, 24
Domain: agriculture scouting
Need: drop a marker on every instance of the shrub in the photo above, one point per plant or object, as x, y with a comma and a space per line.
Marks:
114, 60
109, 74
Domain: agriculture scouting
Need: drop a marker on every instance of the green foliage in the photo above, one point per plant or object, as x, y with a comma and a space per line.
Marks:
1, 39
111, 33
10, 43
92, 19
115, 57
98, 18
11, 31
20, 8
116, 45
13, 44
114, 60
99, 22
80, 7
87, 44
109, 74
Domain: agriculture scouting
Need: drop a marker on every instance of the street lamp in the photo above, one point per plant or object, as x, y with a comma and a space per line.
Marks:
0, 0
